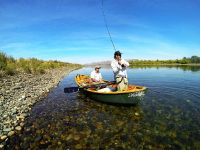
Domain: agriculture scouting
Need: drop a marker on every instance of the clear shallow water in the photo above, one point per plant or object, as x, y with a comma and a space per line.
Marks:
168, 117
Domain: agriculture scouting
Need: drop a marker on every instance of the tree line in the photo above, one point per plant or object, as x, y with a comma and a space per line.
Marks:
184, 60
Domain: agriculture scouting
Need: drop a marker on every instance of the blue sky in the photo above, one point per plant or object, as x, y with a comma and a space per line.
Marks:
74, 31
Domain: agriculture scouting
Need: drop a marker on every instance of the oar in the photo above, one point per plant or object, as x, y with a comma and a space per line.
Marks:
99, 85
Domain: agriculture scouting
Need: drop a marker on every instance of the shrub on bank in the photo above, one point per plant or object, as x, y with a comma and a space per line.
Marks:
10, 69
3, 61
10, 66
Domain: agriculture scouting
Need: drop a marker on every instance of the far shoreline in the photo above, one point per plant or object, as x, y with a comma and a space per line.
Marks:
165, 65
135, 65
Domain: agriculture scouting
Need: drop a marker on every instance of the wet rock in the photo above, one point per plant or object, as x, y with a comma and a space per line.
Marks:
7, 129
188, 101
21, 116
8, 122
88, 132
59, 143
70, 136
78, 146
38, 138
99, 125
5, 116
137, 114
76, 137
18, 128
3, 137
1, 98
1, 146
21, 124
18, 86
119, 123
11, 133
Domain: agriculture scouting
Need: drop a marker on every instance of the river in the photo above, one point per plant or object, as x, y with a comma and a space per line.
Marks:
167, 118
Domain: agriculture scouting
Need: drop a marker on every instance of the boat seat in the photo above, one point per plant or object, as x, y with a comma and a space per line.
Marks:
107, 89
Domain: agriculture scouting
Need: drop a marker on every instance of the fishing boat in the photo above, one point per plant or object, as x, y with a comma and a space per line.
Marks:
108, 93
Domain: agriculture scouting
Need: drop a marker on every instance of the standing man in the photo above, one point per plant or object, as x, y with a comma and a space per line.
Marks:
96, 75
119, 66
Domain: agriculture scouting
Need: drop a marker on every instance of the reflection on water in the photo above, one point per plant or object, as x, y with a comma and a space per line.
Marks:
193, 68
168, 117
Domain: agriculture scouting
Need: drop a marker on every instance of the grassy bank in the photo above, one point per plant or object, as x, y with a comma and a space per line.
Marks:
11, 66
194, 60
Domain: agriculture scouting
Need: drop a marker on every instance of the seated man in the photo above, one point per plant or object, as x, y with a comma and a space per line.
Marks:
96, 75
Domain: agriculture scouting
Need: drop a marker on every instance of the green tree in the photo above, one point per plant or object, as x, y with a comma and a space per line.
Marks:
195, 59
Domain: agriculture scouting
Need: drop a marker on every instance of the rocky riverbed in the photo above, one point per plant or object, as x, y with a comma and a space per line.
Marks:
19, 93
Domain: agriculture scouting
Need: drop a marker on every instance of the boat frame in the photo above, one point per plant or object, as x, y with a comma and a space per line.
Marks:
132, 96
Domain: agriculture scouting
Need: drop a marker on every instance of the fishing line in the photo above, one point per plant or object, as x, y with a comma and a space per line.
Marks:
106, 24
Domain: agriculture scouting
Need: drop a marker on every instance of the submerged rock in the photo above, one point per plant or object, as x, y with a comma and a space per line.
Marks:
78, 146
77, 137
137, 114
3, 137
1, 146
18, 128
11, 133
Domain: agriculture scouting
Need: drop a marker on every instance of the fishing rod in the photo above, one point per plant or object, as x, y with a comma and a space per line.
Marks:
106, 24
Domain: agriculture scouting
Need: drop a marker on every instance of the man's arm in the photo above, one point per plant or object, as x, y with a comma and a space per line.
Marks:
126, 63
115, 67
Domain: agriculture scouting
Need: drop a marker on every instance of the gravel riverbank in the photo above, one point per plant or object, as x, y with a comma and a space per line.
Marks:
19, 93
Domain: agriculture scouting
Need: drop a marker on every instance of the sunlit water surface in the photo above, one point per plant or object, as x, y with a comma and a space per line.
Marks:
167, 118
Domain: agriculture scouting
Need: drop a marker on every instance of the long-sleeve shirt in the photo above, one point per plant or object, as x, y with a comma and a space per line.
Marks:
118, 69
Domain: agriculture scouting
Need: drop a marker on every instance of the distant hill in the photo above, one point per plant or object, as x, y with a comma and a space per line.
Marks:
104, 64
101, 63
